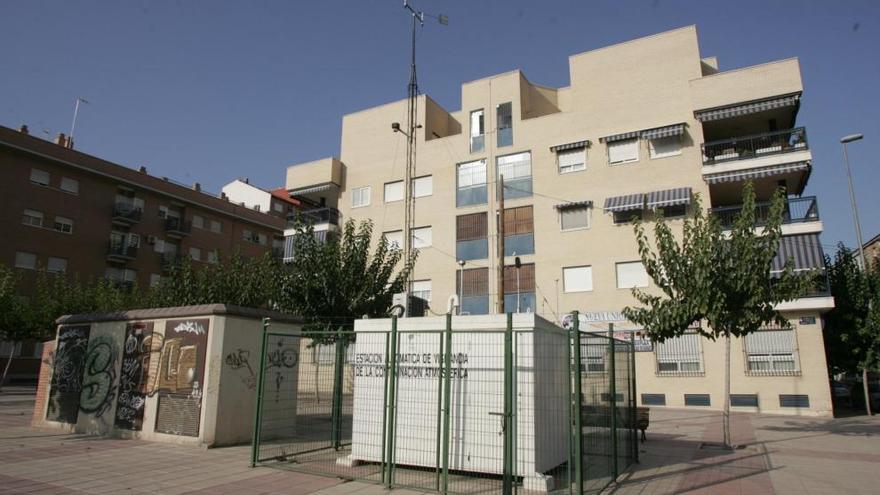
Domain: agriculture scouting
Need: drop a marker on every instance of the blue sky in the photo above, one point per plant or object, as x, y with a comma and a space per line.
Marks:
212, 90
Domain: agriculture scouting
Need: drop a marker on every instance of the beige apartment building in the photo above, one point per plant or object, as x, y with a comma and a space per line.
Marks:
644, 126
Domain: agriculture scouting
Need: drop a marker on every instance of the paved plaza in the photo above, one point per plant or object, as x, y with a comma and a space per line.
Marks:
784, 455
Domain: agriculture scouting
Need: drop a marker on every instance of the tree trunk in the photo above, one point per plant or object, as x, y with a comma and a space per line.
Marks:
725, 426
867, 392
12, 352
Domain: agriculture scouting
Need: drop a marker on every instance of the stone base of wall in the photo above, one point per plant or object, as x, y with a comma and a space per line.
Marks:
45, 378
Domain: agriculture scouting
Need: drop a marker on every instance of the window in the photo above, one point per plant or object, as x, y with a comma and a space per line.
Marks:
422, 186
679, 355
360, 196
471, 236
70, 185
517, 172
572, 160
422, 289
33, 218
159, 246
216, 226
626, 216
247, 235
519, 231
395, 239
278, 207
155, 278
673, 211
198, 222
134, 240
473, 289
421, 237
213, 256
504, 119
163, 211
477, 131
64, 224
120, 274
577, 279
262, 239
40, 177
665, 146
631, 274
56, 265
195, 254
519, 288
471, 189
624, 151
393, 192
772, 351
24, 260
574, 218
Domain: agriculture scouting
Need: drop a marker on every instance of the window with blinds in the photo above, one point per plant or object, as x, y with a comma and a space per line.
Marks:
631, 274
422, 289
422, 186
574, 218
473, 288
395, 239
577, 279
504, 119
772, 351
394, 191
421, 237
477, 131
519, 288
680, 355
471, 187
519, 231
623, 151
471, 236
517, 172
572, 160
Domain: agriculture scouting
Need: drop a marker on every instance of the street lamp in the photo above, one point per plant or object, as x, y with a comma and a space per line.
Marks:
518, 264
460, 284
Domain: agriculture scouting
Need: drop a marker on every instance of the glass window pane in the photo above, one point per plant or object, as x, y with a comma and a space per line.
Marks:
505, 124
519, 244
421, 237
526, 302
476, 249
394, 191
423, 186
475, 305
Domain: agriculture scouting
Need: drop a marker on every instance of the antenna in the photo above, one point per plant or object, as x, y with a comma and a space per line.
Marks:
79, 99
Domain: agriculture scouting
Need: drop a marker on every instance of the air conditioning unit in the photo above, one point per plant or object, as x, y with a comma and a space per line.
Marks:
151, 239
412, 306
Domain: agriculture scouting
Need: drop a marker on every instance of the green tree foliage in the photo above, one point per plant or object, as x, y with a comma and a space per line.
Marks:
722, 279
852, 328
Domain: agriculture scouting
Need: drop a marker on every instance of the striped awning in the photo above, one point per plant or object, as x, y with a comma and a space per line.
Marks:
804, 249
669, 197
746, 108
309, 190
620, 137
625, 203
662, 132
571, 146
574, 204
756, 173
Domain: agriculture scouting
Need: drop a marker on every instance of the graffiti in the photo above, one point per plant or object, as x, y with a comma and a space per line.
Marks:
98, 386
67, 374
281, 359
238, 360
133, 379
196, 327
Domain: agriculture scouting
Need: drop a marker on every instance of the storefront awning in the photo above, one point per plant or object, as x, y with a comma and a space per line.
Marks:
756, 173
669, 197
804, 249
661, 132
625, 203
574, 204
746, 108
570, 146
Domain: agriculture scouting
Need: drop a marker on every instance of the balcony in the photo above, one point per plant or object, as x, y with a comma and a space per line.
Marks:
755, 146
177, 227
797, 210
320, 218
126, 214
168, 260
120, 251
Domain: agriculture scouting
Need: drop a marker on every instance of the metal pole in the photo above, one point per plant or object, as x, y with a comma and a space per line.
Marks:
447, 402
439, 433
517, 290
258, 407
613, 398
338, 376
507, 424
500, 230
576, 402
460, 285
387, 373
634, 398
392, 403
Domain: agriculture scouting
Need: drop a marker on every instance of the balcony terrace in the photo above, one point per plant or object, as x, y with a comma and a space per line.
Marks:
120, 251
126, 214
755, 146
797, 210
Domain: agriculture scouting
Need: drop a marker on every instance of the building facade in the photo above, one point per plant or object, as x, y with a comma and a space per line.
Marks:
644, 126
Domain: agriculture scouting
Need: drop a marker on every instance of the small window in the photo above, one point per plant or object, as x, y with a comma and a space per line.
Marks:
134, 240
795, 400
423, 186
28, 261
195, 254
216, 226
395, 239
422, 289
623, 151
577, 279
70, 185
262, 239
155, 278
360, 196
631, 274
477, 131
504, 119
577, 218
64, 224
33, 218
393, 192
665, 146
653, 399
572, 160
40, 177
56, 265
278, 207
627, 216
699, 400
421, 237
673, 211
163, 211
743, 400
213, 257
198, 222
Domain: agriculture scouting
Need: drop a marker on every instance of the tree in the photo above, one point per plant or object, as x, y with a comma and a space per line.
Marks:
852, 328
12, 328
333, 281
722, 279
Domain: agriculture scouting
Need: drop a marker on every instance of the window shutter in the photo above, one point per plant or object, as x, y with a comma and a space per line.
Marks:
570, 159
771, 342
631, 274
623, 151
575, 218
526, 278
422, 186
685, 347
470, 227
518, 220
393, 192
577, 279
475, 282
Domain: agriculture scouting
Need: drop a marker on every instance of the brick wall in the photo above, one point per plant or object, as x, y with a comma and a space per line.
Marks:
43, 383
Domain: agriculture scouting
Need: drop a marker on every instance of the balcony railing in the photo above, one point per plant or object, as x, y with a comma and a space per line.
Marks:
317, 216
177, 226
755, 146
797, 210
126, 213
121, 251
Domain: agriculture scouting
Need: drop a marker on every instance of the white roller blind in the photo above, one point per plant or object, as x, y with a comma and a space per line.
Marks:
571, 160
422, 288
575, 218
515, 166
626, 150
472, 173
682, 348
665, 146
70, 185
393, 191
771, 342
423, 186
577, 279
421, 237
395, 239
631, 274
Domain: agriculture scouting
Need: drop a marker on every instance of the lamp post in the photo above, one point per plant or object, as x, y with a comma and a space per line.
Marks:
460, 284
864, 262
518, 264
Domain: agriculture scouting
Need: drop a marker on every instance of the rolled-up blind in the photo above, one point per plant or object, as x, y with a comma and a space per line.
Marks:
519, 220
470, 227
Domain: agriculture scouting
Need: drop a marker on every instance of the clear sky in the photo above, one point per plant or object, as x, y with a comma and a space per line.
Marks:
212, 90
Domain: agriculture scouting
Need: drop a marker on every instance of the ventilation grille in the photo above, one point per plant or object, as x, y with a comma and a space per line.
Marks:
697, 400
743, 400
794, 400
178, 415
654, 399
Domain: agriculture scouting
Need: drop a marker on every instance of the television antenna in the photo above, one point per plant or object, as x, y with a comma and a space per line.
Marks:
79, 99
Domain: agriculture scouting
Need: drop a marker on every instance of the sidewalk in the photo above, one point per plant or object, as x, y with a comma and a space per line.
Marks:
783, 455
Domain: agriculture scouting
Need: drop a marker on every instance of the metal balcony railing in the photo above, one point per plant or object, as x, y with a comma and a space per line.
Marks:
121, 250
317, 216
755, 146
797, 210
177, 226
125, 212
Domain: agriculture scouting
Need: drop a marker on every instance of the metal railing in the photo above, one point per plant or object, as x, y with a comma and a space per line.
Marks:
122, 250
317, 216
797, 210
178, 226
126, 212
754, 146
